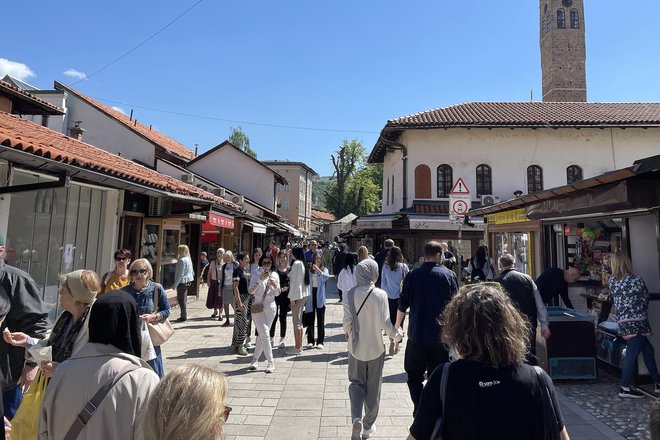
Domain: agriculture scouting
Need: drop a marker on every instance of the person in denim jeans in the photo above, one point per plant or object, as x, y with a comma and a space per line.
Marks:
631, 300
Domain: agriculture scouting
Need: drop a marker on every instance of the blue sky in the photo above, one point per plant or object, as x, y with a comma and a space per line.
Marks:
337, 65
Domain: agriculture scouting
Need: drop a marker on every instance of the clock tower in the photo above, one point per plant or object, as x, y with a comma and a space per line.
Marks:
563, 50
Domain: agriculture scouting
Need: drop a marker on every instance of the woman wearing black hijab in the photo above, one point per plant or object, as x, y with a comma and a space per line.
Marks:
114, 347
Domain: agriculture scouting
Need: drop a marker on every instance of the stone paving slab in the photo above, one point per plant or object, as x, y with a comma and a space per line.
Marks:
307, 396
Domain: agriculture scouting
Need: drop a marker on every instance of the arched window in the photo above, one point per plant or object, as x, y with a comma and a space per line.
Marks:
575, 19
534, 179
422, 182
548, 22
542, 27
573, 174
561, 19
484, 180
445, 180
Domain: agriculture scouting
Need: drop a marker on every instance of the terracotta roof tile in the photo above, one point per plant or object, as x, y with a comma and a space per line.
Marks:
323, 215
26, 136
431, 208
165, 142
534, 114
12, 89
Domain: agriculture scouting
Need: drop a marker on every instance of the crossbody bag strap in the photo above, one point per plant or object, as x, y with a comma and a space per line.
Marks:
365, 300
92, 405
439, 425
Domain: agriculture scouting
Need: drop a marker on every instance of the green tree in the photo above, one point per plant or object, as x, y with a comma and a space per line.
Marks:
355, 186
241, 140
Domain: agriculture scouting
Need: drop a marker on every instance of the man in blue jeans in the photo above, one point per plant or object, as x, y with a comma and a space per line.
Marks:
28, 314
426, 291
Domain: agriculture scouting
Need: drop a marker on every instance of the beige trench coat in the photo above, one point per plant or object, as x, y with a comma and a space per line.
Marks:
119, 416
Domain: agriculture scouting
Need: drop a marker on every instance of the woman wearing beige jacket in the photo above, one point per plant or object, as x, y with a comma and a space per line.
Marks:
298, 293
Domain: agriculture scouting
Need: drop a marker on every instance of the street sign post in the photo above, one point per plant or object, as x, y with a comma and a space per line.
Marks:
459, 204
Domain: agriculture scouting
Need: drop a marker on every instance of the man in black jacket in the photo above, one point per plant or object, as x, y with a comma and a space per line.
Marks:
28, 314
338, 263
523, 292
382, 256
426, 291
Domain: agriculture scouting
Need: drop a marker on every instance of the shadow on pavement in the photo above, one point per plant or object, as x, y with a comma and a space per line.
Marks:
204, 353
396, 378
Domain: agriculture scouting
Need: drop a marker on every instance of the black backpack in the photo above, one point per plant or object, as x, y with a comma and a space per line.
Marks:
478, 273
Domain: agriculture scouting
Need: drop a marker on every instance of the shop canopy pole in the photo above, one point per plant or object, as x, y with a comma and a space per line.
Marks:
460, 258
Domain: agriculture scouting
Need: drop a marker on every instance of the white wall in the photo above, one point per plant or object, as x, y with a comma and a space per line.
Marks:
232, 169
644, 250
509, 152
108, 134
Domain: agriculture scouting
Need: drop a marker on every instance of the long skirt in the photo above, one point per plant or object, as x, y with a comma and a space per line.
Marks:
213, 298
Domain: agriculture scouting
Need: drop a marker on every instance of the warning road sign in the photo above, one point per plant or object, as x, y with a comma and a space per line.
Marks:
460, 187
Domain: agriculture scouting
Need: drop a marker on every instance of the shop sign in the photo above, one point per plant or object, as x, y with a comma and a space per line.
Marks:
220, 221
375, 224
505, 217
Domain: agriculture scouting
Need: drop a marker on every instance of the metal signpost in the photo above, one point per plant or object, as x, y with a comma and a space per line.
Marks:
459, 204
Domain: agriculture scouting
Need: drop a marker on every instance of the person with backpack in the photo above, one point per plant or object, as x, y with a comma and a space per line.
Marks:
481, 267
118, 278
366, 314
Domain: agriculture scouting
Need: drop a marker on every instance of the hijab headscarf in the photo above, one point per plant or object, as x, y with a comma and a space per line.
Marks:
114, 321
366, 273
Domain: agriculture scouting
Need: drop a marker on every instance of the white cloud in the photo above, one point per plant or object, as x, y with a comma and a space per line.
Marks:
119, 109
73, 73
17, 70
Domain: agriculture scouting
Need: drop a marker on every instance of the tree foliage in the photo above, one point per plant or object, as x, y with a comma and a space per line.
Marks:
241, 140
355, 186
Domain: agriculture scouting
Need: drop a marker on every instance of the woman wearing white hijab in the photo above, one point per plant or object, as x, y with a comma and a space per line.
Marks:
366, 315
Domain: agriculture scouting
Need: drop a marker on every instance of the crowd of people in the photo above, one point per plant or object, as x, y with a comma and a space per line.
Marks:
100, 374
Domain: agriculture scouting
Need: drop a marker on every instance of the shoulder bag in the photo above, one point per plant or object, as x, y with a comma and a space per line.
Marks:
259, 307
550, 422
160, 331
439, 424
91, 406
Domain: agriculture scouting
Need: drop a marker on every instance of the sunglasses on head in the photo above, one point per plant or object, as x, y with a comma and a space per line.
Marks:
138, 271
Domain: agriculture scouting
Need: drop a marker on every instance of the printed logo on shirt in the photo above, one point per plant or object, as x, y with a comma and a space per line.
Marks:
488, 384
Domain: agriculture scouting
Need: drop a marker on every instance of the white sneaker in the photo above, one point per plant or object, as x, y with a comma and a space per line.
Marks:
293, 351
270, 368
281, 344
310, 345
357, 429
319, 346
253, 366
368, 433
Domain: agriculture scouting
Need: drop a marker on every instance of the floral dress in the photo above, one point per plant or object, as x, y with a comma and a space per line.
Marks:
631, 301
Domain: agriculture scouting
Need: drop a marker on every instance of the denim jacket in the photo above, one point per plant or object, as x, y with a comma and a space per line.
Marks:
320, 292
145, 299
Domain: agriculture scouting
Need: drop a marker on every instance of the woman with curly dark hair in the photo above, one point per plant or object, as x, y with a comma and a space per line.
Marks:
488, 391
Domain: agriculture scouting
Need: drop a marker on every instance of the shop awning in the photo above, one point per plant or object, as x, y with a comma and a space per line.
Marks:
375, 221
220, 220
289, 229
257, 228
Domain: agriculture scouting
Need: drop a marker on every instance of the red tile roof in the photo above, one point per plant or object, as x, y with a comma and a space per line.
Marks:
26, 96
164, 142
534, 114
22, 135
431, 208
323, 215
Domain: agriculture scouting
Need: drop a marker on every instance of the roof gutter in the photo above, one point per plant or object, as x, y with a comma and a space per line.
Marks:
392, 145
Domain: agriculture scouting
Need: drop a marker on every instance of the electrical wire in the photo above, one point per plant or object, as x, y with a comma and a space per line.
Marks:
139, 45
235, 121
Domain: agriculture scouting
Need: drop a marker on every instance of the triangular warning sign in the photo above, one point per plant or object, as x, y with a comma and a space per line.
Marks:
460, 187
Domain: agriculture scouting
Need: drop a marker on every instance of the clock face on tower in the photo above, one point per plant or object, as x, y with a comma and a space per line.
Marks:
567, 3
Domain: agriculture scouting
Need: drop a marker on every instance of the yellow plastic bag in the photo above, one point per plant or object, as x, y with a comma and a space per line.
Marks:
25, 425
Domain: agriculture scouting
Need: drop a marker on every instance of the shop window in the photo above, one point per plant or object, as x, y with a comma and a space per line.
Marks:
575, 19
445, 180
422, 182
393, 189
387, 195
285, 204
573, 174
484, 180
534, 179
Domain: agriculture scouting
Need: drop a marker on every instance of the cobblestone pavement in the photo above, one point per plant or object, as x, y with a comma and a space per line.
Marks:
628, 417
307, 396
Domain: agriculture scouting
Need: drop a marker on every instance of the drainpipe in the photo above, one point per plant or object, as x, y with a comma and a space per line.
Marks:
391, 145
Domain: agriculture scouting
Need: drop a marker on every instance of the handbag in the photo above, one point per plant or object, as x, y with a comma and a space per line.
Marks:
259, 307
550, 422
160, 331
148, 352
25, 425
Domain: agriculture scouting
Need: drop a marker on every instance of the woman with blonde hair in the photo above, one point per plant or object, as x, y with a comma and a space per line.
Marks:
71, 331
363, 253
190, 403
183, 278
488, 379
152, 304
631, 301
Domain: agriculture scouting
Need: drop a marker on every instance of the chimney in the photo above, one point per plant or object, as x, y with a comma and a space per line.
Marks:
77, 131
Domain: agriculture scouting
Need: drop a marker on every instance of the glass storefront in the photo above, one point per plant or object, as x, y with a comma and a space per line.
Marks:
161, 239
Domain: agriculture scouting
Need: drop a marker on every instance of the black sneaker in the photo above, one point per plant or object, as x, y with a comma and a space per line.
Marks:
631, 393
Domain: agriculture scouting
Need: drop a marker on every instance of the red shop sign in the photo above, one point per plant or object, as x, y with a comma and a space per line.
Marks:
220, 221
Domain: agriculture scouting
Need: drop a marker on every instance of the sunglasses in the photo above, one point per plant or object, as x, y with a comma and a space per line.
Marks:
138, 271
267, 263
121, 258
227, 412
